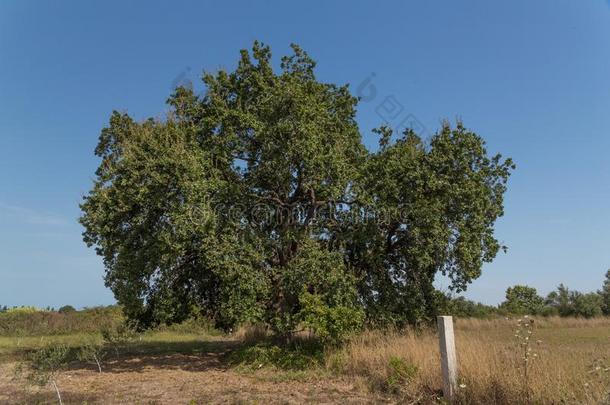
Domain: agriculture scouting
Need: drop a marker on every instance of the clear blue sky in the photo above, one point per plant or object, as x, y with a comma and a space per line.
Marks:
532, 77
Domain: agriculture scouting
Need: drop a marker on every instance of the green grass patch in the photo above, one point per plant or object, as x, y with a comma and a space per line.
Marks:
152, 342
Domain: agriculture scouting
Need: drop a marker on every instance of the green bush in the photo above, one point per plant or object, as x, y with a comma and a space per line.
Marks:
319, 294
464, 308
117, 336
92, 351
295, 356
331, 324
66, 309
401, 372
42, 365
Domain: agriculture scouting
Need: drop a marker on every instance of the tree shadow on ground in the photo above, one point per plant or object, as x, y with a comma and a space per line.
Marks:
195, 355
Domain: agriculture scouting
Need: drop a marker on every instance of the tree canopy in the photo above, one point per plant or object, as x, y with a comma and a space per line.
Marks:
257, 201
521, 299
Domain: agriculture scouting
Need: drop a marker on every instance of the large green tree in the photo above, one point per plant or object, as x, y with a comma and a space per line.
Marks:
257, 201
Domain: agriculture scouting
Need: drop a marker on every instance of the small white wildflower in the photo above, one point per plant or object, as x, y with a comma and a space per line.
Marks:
526, 316
462, 386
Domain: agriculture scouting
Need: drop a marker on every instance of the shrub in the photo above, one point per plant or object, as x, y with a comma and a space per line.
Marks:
575, 303
66, 309
318, 294
464, 308
331, 324
194, 324
587, 305
294, 356
118, 335
401, 372
92, 351
43, 365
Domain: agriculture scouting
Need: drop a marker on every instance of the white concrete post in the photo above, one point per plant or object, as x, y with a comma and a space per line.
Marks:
448, 357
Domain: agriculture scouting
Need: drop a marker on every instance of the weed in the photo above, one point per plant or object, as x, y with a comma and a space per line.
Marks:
401, 373
524, 335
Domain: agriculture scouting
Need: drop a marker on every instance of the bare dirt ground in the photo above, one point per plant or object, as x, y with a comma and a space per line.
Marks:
180, 379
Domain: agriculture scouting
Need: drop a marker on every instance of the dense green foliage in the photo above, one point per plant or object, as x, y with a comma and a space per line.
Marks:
257, 201
522, 299
464, 308
574, 303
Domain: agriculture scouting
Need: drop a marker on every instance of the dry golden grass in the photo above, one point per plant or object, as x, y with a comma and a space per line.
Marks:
251, 333
570, 364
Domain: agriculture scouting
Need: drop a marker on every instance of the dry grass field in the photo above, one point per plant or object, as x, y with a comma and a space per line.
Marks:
568, 362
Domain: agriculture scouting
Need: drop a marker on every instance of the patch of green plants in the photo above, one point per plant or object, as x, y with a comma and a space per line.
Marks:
195, 324
401, 372
92, 352
293, 356
117, 336
41, 366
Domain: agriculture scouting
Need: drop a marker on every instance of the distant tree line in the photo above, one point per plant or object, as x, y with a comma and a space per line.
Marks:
28, 308
519, 300
522, 299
